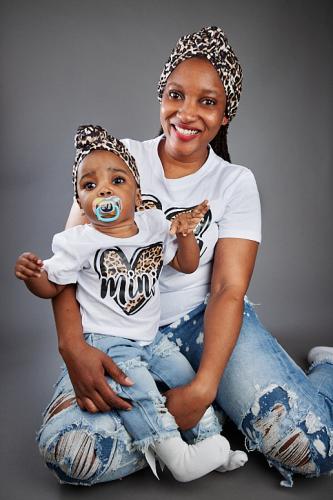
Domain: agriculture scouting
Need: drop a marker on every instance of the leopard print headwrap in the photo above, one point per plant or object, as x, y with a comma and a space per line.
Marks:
211, 43
90, 137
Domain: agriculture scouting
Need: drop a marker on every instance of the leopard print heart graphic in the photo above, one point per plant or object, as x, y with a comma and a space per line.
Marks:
130, 283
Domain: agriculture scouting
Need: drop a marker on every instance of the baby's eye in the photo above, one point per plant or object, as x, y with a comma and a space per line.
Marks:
173, 94
118, 180
89, 186
208, 102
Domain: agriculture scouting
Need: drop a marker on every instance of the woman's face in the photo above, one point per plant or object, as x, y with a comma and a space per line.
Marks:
192, 109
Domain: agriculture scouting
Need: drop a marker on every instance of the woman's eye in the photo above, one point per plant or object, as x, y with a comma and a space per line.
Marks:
174, 95
208, 102
118, 180
89, 186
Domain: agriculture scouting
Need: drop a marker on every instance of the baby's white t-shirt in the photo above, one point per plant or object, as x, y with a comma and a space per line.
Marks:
234, 212
117, 278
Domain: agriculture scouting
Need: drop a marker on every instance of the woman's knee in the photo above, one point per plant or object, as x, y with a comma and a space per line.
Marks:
73, 448
73, 458
293, 439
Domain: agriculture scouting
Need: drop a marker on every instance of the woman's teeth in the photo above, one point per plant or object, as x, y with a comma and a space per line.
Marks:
186, 131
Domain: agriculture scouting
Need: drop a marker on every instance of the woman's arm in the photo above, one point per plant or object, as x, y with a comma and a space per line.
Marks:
234, 261
87, 366
75, 217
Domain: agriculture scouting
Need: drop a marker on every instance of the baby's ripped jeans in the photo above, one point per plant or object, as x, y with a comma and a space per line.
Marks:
83, 448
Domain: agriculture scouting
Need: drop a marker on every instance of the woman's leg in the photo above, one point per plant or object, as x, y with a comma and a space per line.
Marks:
83, 448
283, 412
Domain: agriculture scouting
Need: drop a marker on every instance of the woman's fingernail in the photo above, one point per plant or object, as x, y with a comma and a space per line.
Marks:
129, 380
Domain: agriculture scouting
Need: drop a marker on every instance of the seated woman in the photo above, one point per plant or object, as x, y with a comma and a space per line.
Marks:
283, 413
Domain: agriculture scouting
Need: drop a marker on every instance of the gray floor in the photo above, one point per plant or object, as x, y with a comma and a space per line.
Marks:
28, 372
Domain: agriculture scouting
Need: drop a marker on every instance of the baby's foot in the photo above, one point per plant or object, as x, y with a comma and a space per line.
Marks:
236, 459
187, 462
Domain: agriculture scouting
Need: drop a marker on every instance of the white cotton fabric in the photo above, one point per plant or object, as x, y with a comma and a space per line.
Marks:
233, 197
77, 256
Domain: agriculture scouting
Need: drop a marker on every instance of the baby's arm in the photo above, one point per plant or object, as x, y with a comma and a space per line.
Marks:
29, 269
187, 257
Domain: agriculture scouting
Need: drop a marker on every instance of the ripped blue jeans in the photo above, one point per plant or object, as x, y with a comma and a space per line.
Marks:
284, 413
147, 422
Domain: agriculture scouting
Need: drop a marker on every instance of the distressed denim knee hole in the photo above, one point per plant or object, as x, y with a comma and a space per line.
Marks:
78, 455
75, 454
292, 439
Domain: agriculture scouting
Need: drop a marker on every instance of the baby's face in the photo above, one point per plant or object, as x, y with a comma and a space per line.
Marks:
103, 175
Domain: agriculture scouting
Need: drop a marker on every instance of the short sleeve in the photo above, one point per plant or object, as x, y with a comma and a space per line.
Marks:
63, 267
242, 214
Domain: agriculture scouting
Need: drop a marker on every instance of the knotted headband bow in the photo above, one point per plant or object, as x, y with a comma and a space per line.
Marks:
94, 137
211, 43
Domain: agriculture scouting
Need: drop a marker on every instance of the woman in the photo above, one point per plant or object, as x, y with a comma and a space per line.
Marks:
282, 412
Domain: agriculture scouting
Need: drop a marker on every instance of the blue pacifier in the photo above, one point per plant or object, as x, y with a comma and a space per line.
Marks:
107, 209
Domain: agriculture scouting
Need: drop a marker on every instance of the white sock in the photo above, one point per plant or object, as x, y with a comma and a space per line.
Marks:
320, 353
237, 459
191, 461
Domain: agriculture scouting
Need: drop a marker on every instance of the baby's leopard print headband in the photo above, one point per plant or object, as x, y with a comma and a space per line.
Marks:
211, 43
94, 137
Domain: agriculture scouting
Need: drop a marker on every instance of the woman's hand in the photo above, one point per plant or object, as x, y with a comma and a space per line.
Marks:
188, 404
87, 368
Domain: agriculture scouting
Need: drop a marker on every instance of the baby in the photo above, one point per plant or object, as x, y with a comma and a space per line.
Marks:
116, 261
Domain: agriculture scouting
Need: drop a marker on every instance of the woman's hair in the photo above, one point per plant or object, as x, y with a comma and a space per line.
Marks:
219, 144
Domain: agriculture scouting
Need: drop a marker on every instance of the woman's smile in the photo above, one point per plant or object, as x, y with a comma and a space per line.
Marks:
184, 132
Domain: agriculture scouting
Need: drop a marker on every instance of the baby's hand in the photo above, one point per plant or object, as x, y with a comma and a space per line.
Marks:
28, 265
186, 222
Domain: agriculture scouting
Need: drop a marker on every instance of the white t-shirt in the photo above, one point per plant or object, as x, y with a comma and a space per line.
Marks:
234, 212
117, 278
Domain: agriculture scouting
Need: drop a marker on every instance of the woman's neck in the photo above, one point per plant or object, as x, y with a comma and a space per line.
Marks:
177, 167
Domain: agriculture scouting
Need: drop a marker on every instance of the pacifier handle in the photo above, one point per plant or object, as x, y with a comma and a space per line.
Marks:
100, 217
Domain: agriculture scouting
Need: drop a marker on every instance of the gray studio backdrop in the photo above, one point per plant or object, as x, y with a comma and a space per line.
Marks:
71, 62
68, 62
